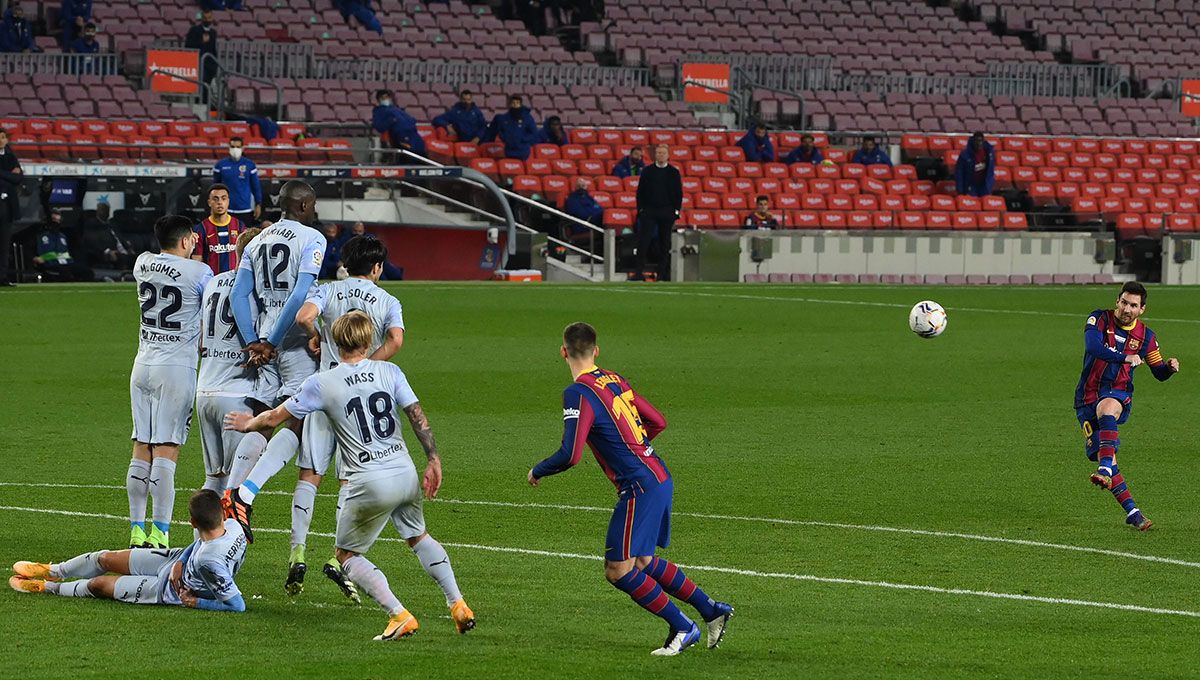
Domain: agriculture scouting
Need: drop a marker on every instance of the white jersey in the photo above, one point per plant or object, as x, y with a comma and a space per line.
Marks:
362, 402
170, 289
221, 346
276, 258
212, 566
336, 299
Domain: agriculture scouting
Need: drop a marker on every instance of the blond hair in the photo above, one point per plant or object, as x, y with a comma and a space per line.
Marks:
353, 332
245, 238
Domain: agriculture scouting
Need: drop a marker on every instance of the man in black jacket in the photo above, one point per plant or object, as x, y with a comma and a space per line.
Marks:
10, 185
203, 37
659, 198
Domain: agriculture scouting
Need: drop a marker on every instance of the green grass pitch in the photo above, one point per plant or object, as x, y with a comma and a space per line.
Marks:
814, 405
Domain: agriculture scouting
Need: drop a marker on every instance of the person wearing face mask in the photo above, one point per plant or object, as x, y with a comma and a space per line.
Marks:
16, 35
464, 119
54, 253
401, 128
240, 175
11, 177
553, 132
514, 127
87, 43
75, 15
203, 37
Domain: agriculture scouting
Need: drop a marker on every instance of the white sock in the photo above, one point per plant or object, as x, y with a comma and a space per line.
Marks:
86, 565
69, 589
214, 484
162, 491
436, 562
304, 500
137, 485
368, 577
280, 450
247, 454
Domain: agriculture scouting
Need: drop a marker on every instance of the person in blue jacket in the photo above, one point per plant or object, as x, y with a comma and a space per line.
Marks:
975, 171
464, 119
553, 132
400, 127
86, 42
75, 15
16, 34
240, 175
871, 154
807, 152
757, 145
361, 10
581, 205
631, 165
514, 127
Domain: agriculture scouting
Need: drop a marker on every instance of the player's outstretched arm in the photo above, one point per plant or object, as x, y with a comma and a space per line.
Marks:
246, 422
1162, 370
1093, 342
578, 418
432, 481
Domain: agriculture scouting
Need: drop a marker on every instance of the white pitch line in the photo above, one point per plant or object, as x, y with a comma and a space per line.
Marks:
732, 518
1141, 609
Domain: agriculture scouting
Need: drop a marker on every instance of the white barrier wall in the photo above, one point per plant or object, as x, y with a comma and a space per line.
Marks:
1179, 263
834, 252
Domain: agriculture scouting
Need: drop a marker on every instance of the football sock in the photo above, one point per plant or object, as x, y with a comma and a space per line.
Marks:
646, 592
70, 589
248, 452
86, 565
678, 585
162, 491
436, 562
137, 485
1120, 491
368, 577
303, 501
1109, 442
214, 484
280, 450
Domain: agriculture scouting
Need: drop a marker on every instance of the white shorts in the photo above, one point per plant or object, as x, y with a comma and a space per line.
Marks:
369, 505
318, 446
161, 399
150, 574
295, 365
218, 443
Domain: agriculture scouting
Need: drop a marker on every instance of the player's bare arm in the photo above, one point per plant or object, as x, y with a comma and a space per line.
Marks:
432, 481
246, 422
391, 345
306, 318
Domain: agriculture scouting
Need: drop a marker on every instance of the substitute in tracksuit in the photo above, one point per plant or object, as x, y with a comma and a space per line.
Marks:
240, 175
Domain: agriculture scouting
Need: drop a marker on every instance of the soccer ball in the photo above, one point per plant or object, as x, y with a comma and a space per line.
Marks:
927, 319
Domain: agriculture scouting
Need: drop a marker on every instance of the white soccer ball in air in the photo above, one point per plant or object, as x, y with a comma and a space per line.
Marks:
927, 319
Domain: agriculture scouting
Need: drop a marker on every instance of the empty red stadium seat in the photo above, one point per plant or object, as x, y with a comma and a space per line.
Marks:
833, 219
892, 202
859, 219
1130, 225
839, 202
707, 201
1187, 204
990, 221
619, 218
936, 219
556, 188
538, 166
724, 169
527, 184
741, 184
918, 202
964, 221
485, 165
701, 219
775, 170
726, 219
806, 219
1015, 221
1184, 223
868, 202
912, 220
883, 219
510, 167
813, 202
735, 202
1041, 193
591, 167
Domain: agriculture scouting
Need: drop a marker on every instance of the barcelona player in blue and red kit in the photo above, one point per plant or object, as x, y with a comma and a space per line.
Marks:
217, 245
1116, 343
601, 411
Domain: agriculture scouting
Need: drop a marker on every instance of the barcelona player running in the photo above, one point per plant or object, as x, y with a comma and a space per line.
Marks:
601, 410
1116, 343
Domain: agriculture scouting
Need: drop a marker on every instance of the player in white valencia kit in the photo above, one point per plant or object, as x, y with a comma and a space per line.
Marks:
363, 257
226, 384
277, 269
361, 398
199, 576
162, 385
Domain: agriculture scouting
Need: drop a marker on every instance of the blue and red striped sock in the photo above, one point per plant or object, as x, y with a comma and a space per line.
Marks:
678, 585
1109, 442
646, 592
1120, 491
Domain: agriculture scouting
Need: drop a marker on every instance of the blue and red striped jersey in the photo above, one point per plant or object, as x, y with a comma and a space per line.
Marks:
601, 410
217, 246
1106, 344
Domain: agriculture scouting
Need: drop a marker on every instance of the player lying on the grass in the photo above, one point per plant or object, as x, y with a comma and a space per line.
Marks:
162, 385
363, 258
226, 383
198, 576
601, 410
279, 267
1115, 343
361, 397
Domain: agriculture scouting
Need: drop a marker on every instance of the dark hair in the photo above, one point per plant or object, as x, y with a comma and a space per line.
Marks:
465, 93
204, 507
171, 229
89, 25
579, 339
361, 253
217, 186
237, 139
807, 136
381, 93
761, 197
3, 132
868, 139
515, 96
553, 119
1135, 288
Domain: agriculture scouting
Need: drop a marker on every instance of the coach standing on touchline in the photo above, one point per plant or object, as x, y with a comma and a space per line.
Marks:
10, 207
659, 198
